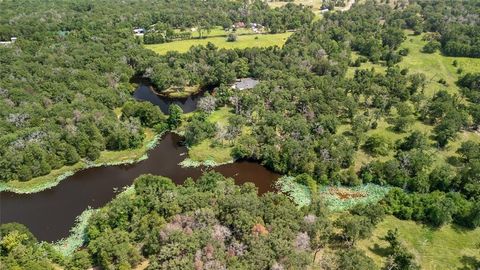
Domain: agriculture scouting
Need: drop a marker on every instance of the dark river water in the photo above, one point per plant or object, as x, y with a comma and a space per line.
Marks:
51, 213
145, 92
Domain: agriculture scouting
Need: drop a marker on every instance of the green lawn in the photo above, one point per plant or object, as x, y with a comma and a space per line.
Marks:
449, 247
245, 41
217, 31
315, 4
206, 150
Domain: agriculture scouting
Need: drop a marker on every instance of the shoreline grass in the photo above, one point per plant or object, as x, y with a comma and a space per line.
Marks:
107, 158
77, 237
243, 41
301, 195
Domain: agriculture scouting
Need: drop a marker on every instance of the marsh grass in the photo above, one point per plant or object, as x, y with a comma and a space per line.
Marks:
369, 194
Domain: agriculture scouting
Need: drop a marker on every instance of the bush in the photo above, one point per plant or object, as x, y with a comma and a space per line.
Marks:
404, 51
377, 145
431, 47
231, 37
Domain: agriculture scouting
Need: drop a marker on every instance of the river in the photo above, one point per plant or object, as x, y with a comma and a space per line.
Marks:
51, 213
145, 92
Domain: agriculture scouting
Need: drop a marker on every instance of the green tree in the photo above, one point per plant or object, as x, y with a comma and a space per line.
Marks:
174, 116
377, 145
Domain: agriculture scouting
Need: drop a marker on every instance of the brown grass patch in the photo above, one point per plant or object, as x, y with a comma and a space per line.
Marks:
345, 194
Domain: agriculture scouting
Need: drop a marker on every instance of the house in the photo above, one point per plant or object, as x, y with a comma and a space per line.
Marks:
324, 10
257, 28
5, 43
245, 83
239, 25
138, 31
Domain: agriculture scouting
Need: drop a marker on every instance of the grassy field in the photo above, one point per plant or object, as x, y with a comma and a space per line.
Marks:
434, 66
206, 150
449, 247
55, 176
216, 31
315, 4
245, 41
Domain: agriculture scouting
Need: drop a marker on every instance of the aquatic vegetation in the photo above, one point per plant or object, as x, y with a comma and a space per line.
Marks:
343, 198
300, 194
190, 163
76, 239
338, 198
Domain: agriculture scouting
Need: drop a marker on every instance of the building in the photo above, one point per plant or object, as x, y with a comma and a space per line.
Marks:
5, 43
245, 83
138, 31
239, 25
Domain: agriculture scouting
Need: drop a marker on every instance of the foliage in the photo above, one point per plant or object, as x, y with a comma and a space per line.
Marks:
19, 249
371, 194
300, 194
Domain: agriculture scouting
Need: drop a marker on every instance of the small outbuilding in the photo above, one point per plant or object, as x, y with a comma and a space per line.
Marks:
12, 40
138, 31
245, 83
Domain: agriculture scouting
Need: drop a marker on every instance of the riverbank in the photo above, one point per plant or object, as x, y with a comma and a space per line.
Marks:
106, 158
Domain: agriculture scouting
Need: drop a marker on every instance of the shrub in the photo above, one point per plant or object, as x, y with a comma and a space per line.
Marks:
431, 47
377, 145
231, 37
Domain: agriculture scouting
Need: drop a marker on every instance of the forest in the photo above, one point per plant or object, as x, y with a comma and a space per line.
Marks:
336, 106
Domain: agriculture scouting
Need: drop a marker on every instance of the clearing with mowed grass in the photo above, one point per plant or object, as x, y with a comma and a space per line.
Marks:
449, 247
435, 66
242, 42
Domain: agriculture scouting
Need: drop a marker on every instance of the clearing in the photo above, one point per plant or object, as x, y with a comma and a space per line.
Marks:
214, 149
449, 247
243, 41
435, 66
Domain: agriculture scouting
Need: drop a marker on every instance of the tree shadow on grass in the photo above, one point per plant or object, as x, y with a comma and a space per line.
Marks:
454, 161
469, 263
461, 229
380, 251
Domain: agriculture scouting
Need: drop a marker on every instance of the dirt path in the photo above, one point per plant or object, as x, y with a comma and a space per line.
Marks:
347, 6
